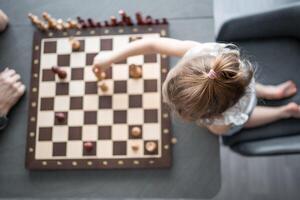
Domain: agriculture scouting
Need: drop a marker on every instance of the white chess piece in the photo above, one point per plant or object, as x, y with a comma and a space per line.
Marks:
3, 21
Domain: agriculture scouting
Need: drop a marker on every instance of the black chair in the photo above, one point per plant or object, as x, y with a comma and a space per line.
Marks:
271, 40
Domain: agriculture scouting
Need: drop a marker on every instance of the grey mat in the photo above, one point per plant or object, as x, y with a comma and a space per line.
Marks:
196, 167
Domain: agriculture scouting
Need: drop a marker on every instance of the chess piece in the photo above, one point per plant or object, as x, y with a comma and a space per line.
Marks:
46, 16
61, 73
88, 146
135, 71
113, 21
129, 21
72, 23
59, 27
82, 23
149, 20
75, 44
103, 87
165, 21
136, 131
79, 19
123, 17
52, 23
134, 38
139, 18
98, 24
60, 116
157, 21
106, 24
91, 23
3, 21
34, 19
135, 147
151, 146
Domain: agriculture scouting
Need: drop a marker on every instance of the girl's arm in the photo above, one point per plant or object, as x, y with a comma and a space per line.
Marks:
168, 46
218, 130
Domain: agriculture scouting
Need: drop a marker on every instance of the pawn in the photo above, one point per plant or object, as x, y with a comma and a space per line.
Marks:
66, 25
72, 23
88, 146
106, 24
149, 20
135, 71
136, 131
59, 27
113, 21
75, 44
98, 24
60, 116
151, 146
91, 23
135, 147
165, 21
60, 73
103, 87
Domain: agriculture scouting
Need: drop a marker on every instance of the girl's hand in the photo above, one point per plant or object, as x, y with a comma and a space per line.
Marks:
102, 61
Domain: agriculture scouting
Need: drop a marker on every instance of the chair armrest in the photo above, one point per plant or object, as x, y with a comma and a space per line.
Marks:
275, 146
281, 22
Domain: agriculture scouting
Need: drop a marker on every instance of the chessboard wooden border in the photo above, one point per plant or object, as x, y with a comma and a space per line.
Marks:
50, 164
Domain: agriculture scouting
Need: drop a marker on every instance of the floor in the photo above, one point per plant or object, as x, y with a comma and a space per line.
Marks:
196, 152
263, 177
242, 178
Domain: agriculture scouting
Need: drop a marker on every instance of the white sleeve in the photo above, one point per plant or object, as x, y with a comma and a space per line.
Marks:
209, 48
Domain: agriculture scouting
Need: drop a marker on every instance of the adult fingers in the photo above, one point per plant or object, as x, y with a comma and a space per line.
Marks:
21, 89
15, 78
10, 72
17, 84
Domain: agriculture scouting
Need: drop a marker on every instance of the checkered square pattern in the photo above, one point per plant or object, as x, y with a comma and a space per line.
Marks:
103, 118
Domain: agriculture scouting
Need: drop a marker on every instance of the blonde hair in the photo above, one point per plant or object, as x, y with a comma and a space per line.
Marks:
192, 94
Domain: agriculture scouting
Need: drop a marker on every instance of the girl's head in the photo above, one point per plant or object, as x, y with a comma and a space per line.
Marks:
194, 92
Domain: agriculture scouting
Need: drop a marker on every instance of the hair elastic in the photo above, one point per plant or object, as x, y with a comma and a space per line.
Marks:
212, 74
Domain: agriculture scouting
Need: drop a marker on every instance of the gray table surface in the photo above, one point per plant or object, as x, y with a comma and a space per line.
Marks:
196, 164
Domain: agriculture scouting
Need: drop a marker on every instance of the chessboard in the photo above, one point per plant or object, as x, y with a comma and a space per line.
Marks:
103, 119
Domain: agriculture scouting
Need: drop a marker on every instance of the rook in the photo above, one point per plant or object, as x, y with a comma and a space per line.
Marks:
135, 147
103, 87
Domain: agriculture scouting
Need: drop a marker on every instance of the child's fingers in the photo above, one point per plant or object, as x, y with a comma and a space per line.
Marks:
97, 71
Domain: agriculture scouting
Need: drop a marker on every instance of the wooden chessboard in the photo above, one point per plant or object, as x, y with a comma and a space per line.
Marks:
102, 118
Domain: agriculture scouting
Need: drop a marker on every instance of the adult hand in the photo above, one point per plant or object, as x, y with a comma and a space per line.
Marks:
11, 89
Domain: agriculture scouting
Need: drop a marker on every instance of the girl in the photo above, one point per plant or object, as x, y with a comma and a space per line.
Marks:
211, 85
